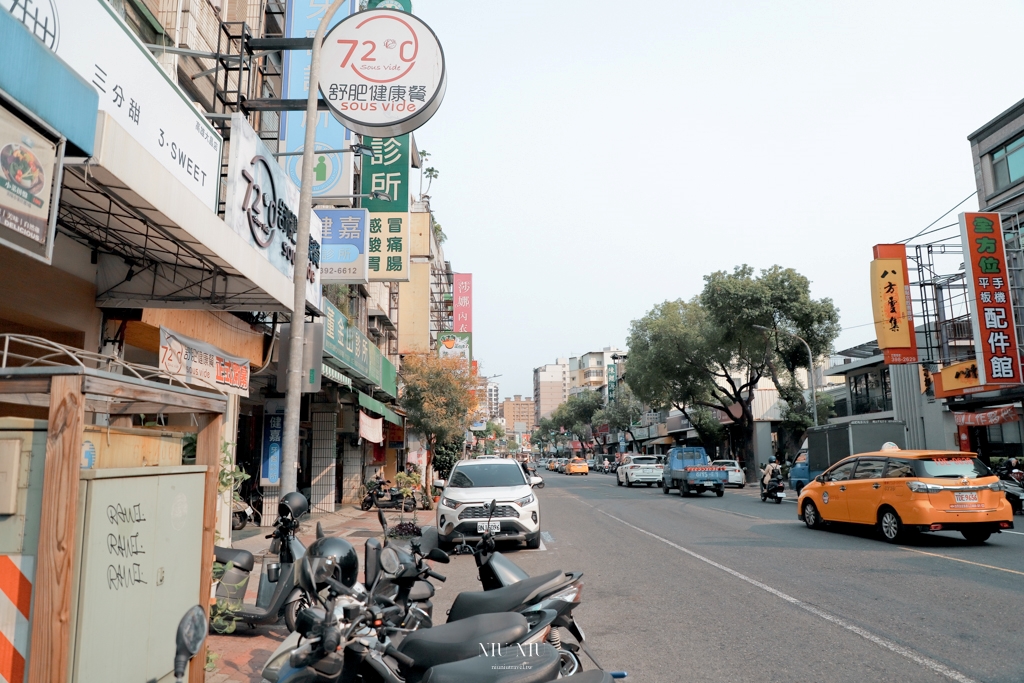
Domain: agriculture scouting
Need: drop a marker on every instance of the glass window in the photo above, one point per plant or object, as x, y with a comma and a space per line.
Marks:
491, 474
899, 469
843, 472
869, 469
952, 467
1008, 164
645, 461
801, 458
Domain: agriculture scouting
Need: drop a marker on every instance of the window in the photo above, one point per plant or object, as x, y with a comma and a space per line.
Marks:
952, 467
1008, 164
899, 469
843, 472
487, 475
869, 469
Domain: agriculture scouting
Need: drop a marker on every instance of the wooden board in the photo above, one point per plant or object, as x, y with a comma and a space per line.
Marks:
130, 447
207, 453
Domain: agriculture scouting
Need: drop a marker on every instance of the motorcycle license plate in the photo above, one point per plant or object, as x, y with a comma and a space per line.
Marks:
248, 510
781, 495
481, 527
971, 497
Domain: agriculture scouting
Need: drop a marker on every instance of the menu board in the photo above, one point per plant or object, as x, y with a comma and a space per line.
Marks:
28, 164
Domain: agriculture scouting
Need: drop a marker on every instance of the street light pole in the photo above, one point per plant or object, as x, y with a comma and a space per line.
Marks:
810, 358
293, 394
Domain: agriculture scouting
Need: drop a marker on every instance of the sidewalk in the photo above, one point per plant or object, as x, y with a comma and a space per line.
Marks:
241, 655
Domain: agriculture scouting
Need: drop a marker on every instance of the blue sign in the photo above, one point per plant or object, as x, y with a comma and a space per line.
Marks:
330, 178
344, 246
273, 438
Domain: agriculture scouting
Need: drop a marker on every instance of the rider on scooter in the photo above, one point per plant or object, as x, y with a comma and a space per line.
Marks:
773, 468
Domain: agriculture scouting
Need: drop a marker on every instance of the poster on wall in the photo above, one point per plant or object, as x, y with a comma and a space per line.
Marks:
273, 430
455, 345
29, 164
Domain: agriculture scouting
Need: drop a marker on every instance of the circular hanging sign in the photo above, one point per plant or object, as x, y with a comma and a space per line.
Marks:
382, 72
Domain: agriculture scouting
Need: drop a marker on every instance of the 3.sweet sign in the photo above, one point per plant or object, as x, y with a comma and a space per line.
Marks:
382, 72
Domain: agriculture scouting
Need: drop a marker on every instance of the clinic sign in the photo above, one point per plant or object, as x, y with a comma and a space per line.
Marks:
344, 250
382, 72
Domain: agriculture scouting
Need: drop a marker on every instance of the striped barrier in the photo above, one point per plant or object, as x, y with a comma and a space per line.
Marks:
16, 574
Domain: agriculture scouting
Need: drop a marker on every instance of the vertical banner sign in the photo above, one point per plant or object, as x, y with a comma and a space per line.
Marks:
613, 382
388, 247
387, 171
332, 173
462, 302
345, 240
890, 303
273, 429
28, 167
988, 281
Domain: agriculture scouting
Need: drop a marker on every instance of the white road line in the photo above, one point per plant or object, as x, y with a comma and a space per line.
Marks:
957, 559
1016, 533
839, 621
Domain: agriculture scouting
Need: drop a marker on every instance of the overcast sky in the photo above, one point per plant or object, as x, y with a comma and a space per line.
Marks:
599, 157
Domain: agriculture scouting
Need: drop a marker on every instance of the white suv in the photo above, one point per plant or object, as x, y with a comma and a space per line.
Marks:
639, 469
472, 485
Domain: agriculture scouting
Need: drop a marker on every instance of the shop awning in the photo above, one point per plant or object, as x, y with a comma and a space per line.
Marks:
662, 441
376, 406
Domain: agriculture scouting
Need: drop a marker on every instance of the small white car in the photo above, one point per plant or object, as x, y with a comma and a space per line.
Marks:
639, 469
462, 511
736, 476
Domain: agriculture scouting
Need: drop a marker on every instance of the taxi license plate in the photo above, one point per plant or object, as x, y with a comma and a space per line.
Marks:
971, 497
481, 527
646, 471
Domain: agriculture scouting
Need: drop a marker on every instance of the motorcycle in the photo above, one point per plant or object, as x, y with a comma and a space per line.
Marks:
1013, 487
775, 490
349, 640
277, 590
388, 499
241, 514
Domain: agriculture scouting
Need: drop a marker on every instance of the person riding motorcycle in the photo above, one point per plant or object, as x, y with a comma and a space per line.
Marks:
770, 471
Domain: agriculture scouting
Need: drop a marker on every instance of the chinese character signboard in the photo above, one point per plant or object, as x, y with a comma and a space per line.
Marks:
387, 171
273, 431
455, 345
996, 416
613, 382
332, 173
382, 72
387, 248
28, 165
988, 281
343, 252
202, 364
958, 379
890, 303
462, 302
132, 87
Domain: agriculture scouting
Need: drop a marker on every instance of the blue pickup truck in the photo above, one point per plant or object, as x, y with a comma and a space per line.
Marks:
690, 470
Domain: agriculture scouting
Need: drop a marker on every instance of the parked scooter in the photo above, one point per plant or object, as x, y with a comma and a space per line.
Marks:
241, 514
775, 490
387, 498
278, 593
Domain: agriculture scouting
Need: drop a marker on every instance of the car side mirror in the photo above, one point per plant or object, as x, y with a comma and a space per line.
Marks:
192, 631
536, 481
821, 479
438, 555
439, 483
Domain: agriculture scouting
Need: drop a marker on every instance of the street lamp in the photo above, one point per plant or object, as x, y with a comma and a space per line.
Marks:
810, 357
620, 356
356, 148
382, 196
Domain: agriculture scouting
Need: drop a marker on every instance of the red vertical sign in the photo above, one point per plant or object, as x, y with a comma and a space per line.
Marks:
462, 298
988, 280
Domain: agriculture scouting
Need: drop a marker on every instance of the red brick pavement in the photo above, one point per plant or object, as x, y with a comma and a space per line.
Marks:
240, 656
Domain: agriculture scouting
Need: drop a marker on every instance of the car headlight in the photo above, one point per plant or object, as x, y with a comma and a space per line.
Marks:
522, 502
449, 503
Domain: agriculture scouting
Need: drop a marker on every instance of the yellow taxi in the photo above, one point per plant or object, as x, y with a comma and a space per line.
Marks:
577, 466
901, 492
552, 464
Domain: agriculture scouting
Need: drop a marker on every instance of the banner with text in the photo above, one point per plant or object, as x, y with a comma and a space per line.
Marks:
202, 364
462, 302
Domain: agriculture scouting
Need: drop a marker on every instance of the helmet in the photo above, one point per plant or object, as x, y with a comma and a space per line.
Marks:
293, 504
337, 558
771, 459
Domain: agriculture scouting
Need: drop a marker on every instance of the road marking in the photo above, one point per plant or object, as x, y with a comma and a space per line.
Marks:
839, 621
957, 559
730, 512
547, 537
1015, 533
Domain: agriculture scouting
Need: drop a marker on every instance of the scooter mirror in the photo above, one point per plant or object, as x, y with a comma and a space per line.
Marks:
319, 531
191, 634
438, 555
382, 520
491, 508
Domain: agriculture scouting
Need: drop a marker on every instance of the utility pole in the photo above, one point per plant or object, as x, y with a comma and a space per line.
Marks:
293, 395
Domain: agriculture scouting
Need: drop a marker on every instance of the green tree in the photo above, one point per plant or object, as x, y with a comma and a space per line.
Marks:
445, 457
437, 397
623, 413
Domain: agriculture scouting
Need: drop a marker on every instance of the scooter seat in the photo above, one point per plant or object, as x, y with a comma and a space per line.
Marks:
471, 603
242, 559
453, 642
421, 591
511, 666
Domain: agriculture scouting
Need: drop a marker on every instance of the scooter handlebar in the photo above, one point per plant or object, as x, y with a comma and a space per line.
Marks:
434, 575
393, 652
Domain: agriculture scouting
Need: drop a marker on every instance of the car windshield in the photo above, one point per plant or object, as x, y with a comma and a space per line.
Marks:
491, 474
577, 461
644, 461
952, 467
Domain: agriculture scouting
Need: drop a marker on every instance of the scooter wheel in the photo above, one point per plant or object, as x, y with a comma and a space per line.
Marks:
366, 505
569, 663
291, 612
238, 521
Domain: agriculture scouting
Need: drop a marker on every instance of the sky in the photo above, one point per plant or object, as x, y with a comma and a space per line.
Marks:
597, 158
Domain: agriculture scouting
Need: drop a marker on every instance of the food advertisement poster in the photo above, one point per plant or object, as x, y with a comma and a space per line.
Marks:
455, 345
28, 162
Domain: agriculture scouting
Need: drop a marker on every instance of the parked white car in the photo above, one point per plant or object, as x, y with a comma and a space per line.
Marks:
639, 469
471, 486
736, 476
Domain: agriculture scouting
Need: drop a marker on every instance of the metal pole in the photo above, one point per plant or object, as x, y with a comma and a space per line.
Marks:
814, 393
293, 395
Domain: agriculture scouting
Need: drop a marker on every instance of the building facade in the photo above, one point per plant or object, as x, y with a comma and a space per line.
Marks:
550, 388
518, 413
493, 404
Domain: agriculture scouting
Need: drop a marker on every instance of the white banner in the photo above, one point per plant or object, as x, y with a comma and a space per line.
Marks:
371, 428
202, 364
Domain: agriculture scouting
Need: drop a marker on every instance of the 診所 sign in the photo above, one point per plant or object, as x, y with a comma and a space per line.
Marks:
382, 72
262, 206
132, 88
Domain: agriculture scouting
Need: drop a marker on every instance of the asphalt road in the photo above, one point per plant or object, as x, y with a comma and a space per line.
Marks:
724, 589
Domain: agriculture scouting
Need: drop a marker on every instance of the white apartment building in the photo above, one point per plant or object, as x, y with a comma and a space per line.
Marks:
550, 387
492, 400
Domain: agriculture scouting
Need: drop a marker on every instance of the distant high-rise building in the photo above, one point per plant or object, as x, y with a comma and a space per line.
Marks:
518, 413
492, 400
550, 388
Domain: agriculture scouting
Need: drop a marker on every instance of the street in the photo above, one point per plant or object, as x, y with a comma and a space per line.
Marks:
726, 589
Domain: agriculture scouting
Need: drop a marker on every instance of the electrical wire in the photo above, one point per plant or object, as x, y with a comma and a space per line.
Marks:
939, 218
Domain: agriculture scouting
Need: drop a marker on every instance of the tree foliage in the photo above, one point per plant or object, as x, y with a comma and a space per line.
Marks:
623, 413
437, 396
445, 457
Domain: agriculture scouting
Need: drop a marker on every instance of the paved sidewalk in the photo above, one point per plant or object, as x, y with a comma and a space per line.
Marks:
241, 655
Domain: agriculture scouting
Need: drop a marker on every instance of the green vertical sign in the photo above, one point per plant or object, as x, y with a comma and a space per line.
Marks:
387, 171
401, 5
613, 382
